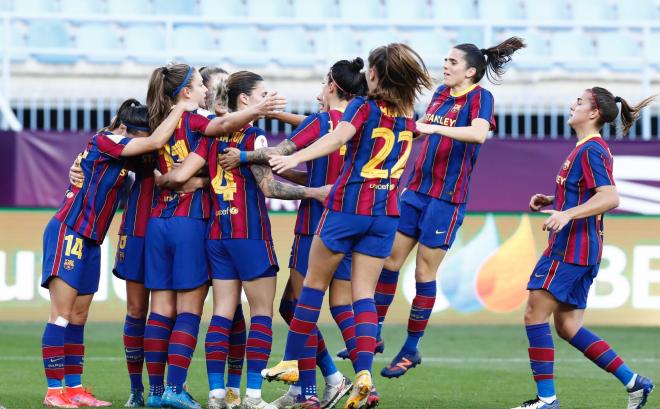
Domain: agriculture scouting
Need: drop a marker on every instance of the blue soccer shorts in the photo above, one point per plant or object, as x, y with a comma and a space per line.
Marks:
241, 259
568, 283
129, 260
299, 259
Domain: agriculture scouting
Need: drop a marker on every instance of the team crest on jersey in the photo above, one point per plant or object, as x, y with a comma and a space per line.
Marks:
121, 256
456, 108
69, 264
69, 194
566, 164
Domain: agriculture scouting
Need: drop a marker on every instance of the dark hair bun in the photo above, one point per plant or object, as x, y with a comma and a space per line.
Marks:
357, 64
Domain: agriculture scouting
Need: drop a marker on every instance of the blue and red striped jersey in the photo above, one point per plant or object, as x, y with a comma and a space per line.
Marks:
239, 205
141, 196
321, 171
168, 203
375, 159
444, 165
88, 209
587, 167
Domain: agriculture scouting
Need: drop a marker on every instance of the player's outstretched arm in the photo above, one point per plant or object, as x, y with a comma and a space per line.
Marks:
288, 117
158, 139
539, 201
298, 177
477, 132
231, 158
322, 147
178, 176
279, 190
605, 199
234, 121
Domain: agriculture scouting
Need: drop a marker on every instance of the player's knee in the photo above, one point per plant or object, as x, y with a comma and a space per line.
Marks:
394, 261
79, 317
136, 310
423, 273
566, 329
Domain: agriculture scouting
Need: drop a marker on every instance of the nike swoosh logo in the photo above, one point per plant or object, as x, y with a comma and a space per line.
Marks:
539, 276
133, 351
52, 360
440, 232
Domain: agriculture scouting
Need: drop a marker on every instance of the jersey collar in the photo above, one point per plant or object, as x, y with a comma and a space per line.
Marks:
465, 91
587, 138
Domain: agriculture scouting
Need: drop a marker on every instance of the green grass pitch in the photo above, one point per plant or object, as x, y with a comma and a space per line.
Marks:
463, 367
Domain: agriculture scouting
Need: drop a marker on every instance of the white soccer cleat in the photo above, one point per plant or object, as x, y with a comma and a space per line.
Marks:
537, 403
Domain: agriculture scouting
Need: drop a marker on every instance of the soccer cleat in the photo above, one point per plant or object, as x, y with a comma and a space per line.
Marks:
153, 401
232, 399
360, 391
537, 403
401, 364
639, 393
285, 371
380, 348
374, 398
135, 399
83, 397
216, 403
333, 393
256, 403
285, 401
307, 403
57, 398
181, 400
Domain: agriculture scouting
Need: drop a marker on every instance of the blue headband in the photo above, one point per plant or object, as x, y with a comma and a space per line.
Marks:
183, 84
137, 128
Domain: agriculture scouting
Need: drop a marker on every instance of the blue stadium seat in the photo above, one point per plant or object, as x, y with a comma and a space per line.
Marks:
536, 55
73, 7
637, 10
243, 45
16, 41
222, 8
407, 10
546, 10
375, 38
50, 34
290, 46
93, 37
620, 51
471, 35
432, 45
500, 9
145, 37
191, 43
342, 43
132, 7
175, 8
268, 8
313, 10
35, 6
589, 10
450, 10
362, 10
652, 49
576, 49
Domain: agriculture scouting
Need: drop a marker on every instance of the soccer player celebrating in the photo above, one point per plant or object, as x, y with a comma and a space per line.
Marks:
560, 282
362, 208
176, 269
343, 82
240, 246
457, 121
71, 263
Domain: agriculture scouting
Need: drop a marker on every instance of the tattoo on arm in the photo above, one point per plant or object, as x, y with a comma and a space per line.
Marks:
260, 156
274, 188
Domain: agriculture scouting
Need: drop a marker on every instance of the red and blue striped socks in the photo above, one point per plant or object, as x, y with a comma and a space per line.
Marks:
343, 316
304, 322
216, 346
257, 352
385, 290
600, 352
542, 359
366, 329
420, 312
307, 366
235, 358
181, 348
52, 351
74, 354
156, 338
134, 350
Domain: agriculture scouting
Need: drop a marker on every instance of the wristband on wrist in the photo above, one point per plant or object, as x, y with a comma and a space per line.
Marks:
242, 157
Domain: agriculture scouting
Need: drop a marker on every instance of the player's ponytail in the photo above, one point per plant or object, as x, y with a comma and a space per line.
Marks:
402, 75
240, 82
133, 115
606, 104
348, 78
219, 93
165, 85
490, 61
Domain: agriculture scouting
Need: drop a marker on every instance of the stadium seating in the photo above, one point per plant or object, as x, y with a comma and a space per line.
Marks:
340, 43
536, 55
243, 45
591, 10
431, 44
536, 10
305, 10
138, 38
500, 10
16, 41
575, 50
222, 8
50, 35
291, 46
620, 51
638, 10
360, 10
446, 10
34, 6
72, 7
407, 10
129, 8
93, 39
192, 43
268, 8
175, 8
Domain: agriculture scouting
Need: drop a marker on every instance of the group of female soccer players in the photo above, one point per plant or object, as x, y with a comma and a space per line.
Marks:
196, 216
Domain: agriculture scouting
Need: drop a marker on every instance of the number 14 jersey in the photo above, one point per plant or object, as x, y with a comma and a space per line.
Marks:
374, 161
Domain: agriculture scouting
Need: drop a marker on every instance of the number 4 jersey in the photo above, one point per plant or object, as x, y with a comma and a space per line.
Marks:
374, 161
238, 204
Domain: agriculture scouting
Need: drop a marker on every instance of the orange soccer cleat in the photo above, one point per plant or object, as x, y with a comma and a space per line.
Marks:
56, 398
83, 397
